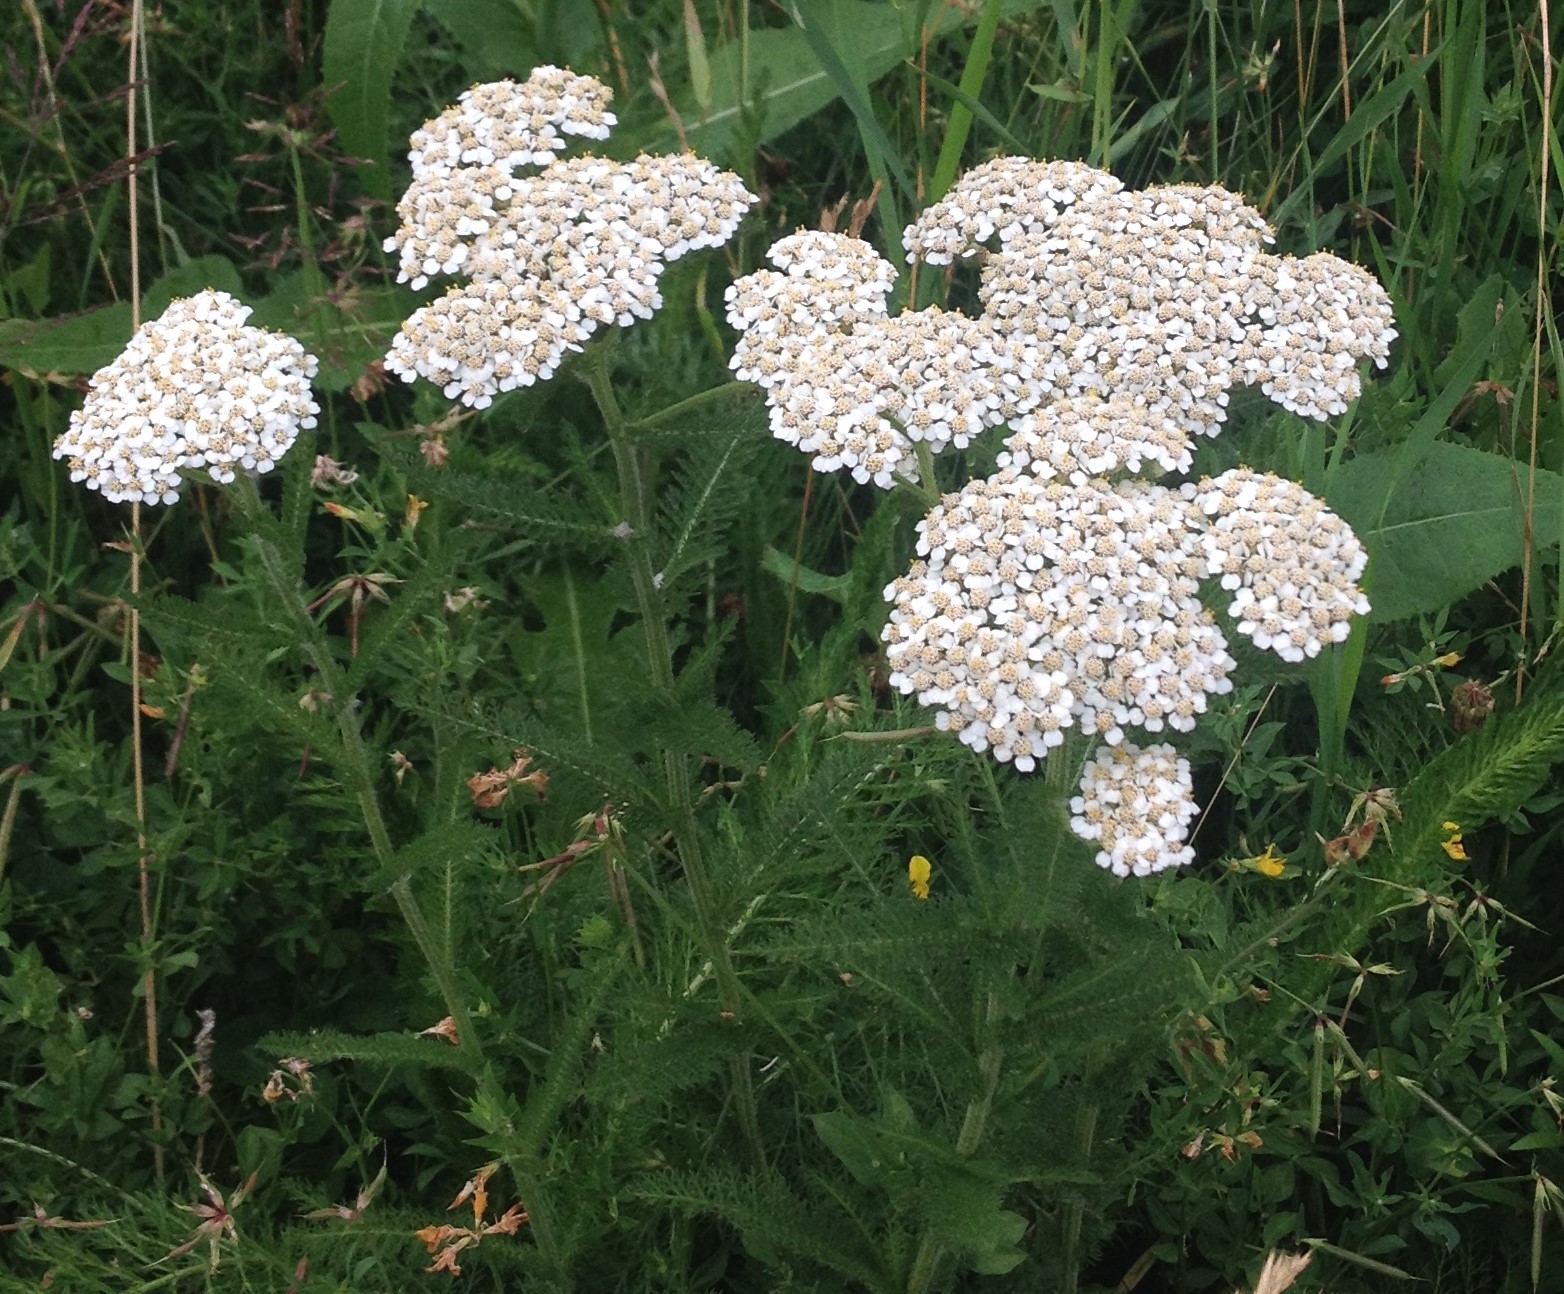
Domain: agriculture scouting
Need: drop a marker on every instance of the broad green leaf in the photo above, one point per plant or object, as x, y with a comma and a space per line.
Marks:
695, 51
814, 19
855, 1142
84, 343
494, 33
786, 81
1453, 521
30, 282
363, 46
186, 280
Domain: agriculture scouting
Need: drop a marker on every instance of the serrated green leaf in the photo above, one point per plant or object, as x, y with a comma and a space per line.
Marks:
384, 1049
71, 346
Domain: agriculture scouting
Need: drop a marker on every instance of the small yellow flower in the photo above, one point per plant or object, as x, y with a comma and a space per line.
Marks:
1270, 863
1453, 846
415, 507
1449, 660
918, 873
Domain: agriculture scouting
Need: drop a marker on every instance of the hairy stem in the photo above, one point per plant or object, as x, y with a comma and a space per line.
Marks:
713, 395
635, 506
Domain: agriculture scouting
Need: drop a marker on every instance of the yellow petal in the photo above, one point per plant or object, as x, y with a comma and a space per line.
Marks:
918, 873
1452, 826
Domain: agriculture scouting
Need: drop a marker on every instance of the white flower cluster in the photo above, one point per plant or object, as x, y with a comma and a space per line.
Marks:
195, 388
1057, 593
1291, 563
510, 124
1158, 300
846, 382
1002, 197
1114, 324
1138, 804
1037, 606
550, 254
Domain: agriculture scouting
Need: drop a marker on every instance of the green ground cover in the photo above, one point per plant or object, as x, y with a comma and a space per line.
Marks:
527, 820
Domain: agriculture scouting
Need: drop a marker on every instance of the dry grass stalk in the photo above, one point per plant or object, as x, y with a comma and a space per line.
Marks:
1279, 1272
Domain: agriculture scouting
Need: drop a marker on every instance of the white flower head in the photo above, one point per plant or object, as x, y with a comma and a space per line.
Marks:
1160, 300
512, 124
553, 248
196, 388
1037, 606
849, 384
1289, 562
1137, 803
1001, 198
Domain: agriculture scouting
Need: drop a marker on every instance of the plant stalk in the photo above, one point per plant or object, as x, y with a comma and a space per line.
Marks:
974, 1123
138, 770
635, 505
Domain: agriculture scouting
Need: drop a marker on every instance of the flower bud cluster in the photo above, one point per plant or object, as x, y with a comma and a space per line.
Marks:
550, 254
195, 388
1138, 804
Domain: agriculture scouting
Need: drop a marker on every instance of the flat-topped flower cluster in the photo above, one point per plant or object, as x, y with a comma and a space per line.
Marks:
196, 388
1064, 591
552, 248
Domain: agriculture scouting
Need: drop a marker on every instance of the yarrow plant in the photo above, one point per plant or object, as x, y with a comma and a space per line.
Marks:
1064, 591
552, 248
195, 388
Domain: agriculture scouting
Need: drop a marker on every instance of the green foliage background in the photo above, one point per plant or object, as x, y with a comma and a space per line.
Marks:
772, 1068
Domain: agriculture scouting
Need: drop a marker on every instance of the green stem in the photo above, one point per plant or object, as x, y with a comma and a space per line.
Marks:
930, 1254
1075, 1210
314, 280
887, 736
637, 519
674, 411
926, 488
354, 764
